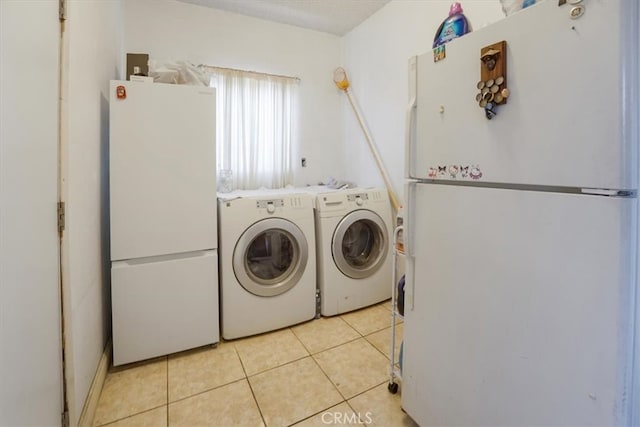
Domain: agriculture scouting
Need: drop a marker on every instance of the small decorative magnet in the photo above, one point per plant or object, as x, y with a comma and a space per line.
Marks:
433, 172
464, 171
576, 12
442, 170
453, 171
439, 53
475, 172
121, 92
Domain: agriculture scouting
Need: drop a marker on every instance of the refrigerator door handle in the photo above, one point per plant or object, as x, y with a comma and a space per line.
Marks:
409, 215
408, 146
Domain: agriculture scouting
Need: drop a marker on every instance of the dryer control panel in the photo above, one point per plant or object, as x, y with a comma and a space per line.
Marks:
362, 196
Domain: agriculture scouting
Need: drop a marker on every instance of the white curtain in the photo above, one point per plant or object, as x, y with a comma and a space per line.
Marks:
254, 127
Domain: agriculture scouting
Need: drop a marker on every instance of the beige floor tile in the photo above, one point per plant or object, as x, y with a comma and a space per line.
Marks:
340, 415
368, 320
354, 367
226, 406
384, 408
324, 333
386, 304
153, 418
203, 369
130, 391
268, 351
293, 392
382, 340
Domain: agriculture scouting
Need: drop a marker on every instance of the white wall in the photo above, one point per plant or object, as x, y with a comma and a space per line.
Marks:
376, 61
93, 34
170, 30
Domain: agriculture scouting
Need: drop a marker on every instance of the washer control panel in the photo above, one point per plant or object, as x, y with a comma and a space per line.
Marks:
265, 204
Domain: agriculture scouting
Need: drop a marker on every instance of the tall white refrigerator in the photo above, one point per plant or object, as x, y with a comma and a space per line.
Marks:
164, 261
521, 229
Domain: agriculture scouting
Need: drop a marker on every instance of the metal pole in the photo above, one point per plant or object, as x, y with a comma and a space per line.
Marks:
374, 151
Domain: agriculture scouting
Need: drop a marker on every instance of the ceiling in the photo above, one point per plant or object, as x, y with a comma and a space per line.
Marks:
330, 16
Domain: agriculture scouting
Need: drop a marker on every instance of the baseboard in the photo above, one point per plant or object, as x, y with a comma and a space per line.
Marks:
90, 405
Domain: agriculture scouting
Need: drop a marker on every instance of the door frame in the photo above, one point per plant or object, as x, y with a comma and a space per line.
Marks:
31, 332
63, 178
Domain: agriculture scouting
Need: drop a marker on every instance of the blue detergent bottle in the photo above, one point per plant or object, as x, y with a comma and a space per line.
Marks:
454, 26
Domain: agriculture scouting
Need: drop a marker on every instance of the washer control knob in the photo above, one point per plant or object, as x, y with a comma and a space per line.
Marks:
359, 201
270, 208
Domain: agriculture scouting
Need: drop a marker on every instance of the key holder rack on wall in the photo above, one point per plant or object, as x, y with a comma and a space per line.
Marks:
492, 86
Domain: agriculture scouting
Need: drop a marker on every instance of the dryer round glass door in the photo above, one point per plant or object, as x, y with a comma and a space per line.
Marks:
270, 257
360, 244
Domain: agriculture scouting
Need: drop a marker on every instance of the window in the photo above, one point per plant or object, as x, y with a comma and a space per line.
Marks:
254, 127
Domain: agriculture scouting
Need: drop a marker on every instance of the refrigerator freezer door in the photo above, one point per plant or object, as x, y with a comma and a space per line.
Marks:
164, 305
162, 170
570, 119
522, 308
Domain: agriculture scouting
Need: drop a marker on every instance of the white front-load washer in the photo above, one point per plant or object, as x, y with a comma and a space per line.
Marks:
267, 261
353, 232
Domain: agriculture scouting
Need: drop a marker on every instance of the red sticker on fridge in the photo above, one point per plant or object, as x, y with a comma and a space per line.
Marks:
121, 92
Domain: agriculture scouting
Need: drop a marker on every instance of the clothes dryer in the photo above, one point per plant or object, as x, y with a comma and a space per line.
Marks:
353, 232
267, 261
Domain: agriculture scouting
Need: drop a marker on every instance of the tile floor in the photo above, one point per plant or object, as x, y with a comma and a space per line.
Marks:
323, 372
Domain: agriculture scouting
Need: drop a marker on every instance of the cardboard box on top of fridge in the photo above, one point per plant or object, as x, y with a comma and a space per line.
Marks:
143, 79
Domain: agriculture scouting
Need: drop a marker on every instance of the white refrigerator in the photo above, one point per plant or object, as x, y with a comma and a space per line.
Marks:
164, 260
521, 230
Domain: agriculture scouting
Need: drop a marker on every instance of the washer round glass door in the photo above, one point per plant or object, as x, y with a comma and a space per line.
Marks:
359, 244
270, 257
